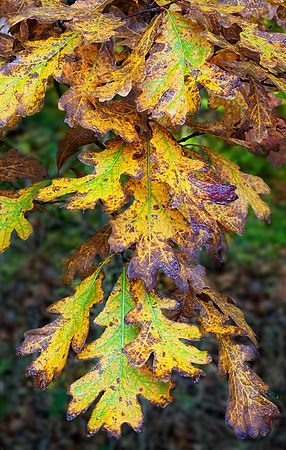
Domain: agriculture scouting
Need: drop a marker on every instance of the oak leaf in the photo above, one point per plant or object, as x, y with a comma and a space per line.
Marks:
132, 71
104, 184
249, 411
73, 140
173, 72
69, 330
23, 82
193, 185
82, 259
84, 17
248, 188
231, 311
13, 207
161, 337
13, 165
271, 48
113, 379
154, 234
83, 75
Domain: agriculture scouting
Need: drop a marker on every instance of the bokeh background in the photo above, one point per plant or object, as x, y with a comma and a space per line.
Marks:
254, 274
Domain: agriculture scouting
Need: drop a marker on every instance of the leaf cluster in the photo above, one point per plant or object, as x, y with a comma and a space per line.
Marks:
132, 76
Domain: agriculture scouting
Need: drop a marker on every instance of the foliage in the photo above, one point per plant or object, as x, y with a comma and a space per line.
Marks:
131, 77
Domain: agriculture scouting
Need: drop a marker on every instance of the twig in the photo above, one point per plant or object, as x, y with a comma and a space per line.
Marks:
190, 136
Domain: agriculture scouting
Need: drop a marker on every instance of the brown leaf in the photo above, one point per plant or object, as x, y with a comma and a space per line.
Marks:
82, 259
249, 412
13, 165
73, 140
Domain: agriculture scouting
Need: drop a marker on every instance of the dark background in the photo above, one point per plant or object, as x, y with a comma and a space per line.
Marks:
254, 274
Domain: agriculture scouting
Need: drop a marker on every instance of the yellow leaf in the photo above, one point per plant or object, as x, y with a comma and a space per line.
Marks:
70, 329
117, 159
249, 411
231, 311
213, 321
153, 226
113, 377
23, 82
174, 71
83, 75
133, 70
13, 207
161, 337
193, 186
271, 48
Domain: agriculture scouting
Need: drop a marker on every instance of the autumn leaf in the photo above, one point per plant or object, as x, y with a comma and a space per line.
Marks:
114, 382
23, 82
70, 329
82, 259
215, 322
117, 159
13, 207
133, 79
13, 165
262, 117
191, 191
271, 48
84, 17
173, 72
162, 337
153, 228
73, 140
249, 412
133, 70
230, 311
83, 75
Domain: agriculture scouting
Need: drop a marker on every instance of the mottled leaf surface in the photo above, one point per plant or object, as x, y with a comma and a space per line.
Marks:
13, 207
162, 337
117, 159
118, 383
249, 411
23, 82
69, 330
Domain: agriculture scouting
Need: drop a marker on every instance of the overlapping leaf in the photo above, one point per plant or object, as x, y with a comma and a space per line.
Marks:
249, 412
271, 48
113, 379
117, 159
84, 17
23, 82
161, 337
179, 200
13, 207
153, 227
133, 70
230, 311
83, 75
191, 190
173, 72
69, 330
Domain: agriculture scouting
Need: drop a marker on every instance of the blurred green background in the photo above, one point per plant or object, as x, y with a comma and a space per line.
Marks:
254, 273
